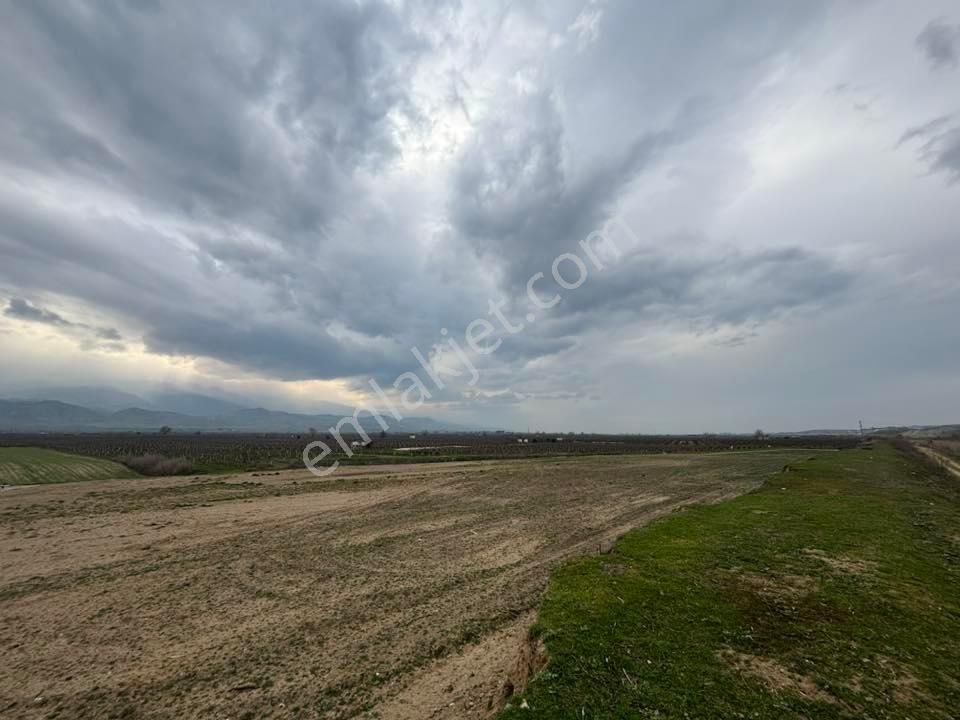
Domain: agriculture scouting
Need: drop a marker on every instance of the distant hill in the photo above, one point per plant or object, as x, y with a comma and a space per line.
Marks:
102, 397
820, 432
934, 431
95, 397
43, 414
55, 416
189, 403
139, 419
914, 431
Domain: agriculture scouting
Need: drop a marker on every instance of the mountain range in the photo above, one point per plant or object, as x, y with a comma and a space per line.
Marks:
104, 397
95, 409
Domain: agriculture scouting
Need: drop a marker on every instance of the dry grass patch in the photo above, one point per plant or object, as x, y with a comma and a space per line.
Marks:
775, 676
842, 564
775, 586
903, 686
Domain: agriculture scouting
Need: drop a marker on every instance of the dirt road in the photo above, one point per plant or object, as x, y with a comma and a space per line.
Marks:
942, 459
390, 592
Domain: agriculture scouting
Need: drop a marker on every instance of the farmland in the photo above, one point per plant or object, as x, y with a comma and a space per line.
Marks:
831, 592
31, 465
402, 591
233, 452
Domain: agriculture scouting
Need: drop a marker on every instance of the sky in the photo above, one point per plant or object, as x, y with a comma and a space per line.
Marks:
592, 215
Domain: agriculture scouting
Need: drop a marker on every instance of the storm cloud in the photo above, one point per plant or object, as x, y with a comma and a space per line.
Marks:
298, 192
91, 336
937, 144
940, 43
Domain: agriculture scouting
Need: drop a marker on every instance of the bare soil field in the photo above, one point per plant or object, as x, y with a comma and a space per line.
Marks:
385, 591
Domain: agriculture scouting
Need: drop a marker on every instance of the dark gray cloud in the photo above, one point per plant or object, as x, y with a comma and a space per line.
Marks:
287, 351
725, 297
235, 118
525, 190
22, 310
90, 336
199, 109
939, 41
256, 127
732, 287
179, 314
937, 144
542, 172
515, 198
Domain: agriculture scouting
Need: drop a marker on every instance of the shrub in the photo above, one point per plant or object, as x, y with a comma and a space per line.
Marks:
157, 465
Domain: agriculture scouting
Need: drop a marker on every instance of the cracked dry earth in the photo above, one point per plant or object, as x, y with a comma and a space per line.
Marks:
395, 592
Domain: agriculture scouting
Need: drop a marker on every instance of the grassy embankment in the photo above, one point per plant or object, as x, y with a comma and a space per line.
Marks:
30, 466
831, 592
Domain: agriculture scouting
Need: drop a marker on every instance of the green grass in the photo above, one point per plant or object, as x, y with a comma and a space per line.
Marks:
30, 466
831, 592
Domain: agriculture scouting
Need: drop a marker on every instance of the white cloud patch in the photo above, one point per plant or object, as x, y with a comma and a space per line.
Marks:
586, 27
